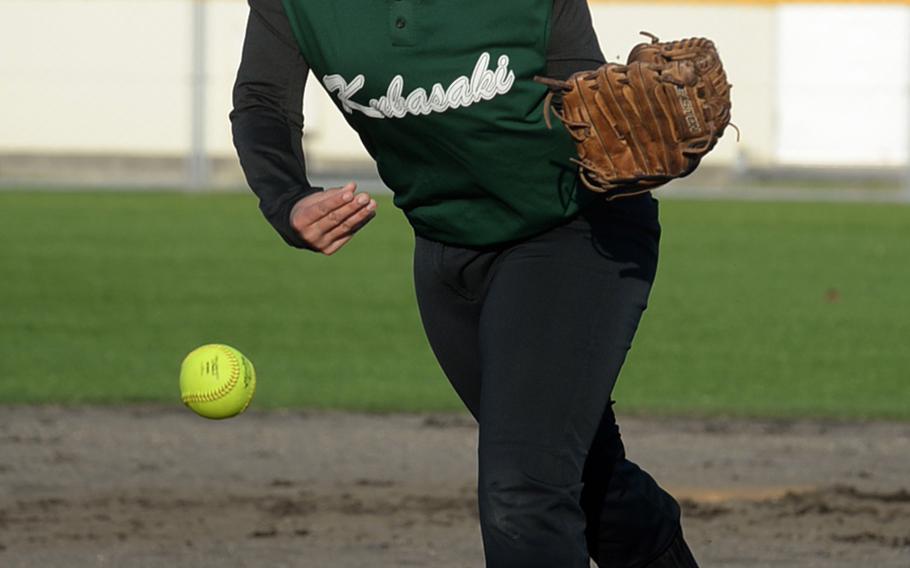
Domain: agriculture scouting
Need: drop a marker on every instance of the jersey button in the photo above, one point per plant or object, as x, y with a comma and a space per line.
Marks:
400, 23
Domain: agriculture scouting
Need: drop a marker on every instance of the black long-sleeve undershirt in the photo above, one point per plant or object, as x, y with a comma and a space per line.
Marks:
267, 119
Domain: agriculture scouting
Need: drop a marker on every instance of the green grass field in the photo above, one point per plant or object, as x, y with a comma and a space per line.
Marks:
763, 309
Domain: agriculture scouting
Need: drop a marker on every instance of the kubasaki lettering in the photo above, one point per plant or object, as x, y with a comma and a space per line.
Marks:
482, 85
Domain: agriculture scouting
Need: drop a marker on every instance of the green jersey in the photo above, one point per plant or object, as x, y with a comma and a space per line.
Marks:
443, 98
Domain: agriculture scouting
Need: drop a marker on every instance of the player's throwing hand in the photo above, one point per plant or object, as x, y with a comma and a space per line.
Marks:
328, 220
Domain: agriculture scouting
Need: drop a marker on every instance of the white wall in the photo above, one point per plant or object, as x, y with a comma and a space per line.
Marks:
111, 76
817, 84
94, 76
842, 86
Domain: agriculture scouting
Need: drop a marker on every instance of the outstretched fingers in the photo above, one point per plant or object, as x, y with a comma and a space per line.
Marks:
355, 220
344, 232
323, 204
328, 220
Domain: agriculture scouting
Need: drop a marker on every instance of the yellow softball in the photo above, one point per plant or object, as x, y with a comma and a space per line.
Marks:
217, 381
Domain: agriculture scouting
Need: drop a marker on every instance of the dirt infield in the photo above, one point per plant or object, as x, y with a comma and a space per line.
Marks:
148, 486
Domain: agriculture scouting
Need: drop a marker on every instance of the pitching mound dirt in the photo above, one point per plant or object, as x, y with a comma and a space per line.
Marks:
149, 486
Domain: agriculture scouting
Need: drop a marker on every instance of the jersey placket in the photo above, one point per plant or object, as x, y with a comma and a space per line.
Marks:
402, 28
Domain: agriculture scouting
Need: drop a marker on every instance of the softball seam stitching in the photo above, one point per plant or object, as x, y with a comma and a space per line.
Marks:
217, 394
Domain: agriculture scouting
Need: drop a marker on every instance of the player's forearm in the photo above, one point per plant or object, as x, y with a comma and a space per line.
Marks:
265, 146
267, 120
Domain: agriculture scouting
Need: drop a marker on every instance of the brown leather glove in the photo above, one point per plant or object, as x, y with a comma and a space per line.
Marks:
638, 126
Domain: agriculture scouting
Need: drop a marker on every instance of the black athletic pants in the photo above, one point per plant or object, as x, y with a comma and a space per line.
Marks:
532, 336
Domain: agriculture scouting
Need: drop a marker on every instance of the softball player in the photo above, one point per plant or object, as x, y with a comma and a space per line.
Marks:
530, 289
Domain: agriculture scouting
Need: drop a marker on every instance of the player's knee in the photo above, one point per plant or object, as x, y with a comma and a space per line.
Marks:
516, 505
529, 506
